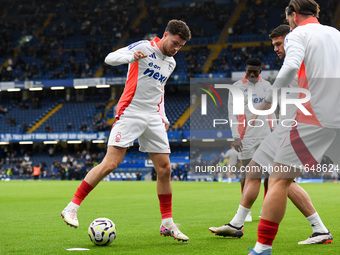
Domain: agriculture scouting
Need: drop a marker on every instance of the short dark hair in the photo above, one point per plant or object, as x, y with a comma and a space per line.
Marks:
180, 28
304, 7
253, 62
281, 30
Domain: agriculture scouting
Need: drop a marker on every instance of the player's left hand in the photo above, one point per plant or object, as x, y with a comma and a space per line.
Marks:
167, 125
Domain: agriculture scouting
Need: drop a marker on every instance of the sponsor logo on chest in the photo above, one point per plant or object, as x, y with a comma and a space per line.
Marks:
153, 72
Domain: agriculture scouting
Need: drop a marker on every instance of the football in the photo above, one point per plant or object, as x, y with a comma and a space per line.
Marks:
102, 231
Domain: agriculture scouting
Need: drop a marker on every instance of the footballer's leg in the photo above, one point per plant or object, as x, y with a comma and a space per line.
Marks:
114, 156
265, 184
251, 190
162, 166
274, 206
245, 162
302, 201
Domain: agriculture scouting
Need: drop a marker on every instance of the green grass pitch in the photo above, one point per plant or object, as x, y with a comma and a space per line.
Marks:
30, 219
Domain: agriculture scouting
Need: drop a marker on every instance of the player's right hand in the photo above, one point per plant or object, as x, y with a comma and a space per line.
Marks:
238, 145
263, 106
139, 55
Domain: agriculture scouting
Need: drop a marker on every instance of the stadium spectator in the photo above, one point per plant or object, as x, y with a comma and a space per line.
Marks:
232, 156
193, 98
36, 104
48, 128
195, 59
9, 173
61, 171
3, 110
83, 127
185, 171
24, 106
332, 171
69, 126
138, 176
43, 169
64, 159
126, 129
23, 171
177, 172
36, 172
51, 151
153, 174
11, 121
335, 175
2, 175
24, 127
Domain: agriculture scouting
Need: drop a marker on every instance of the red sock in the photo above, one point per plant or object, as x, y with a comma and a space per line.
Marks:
165, 204
267, 231
83, 190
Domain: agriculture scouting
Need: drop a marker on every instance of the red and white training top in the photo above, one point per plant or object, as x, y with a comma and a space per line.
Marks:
144, 88
239, 123
313, 52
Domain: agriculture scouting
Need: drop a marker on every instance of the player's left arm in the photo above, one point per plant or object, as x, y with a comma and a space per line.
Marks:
162, 108
163, 115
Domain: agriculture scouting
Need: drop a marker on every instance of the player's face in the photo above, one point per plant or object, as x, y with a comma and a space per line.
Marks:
253, 73
291, 20
278, 43
172, 44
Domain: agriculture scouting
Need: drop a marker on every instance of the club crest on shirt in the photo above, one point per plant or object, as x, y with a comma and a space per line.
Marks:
118, 137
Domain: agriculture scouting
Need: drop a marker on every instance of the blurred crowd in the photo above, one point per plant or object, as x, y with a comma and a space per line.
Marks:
69, 167
43, 39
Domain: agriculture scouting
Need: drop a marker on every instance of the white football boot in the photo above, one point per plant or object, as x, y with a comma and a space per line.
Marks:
171, 229
70, 216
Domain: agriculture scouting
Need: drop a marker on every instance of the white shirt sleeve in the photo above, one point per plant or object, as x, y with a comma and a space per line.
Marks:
162, 112
120, 56
295, 54
232, 117
161, 106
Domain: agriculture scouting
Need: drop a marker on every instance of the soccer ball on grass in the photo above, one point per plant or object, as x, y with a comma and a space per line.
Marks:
102, 231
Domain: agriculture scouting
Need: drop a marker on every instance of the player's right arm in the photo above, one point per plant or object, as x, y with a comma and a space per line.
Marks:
233, 119
126, 55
